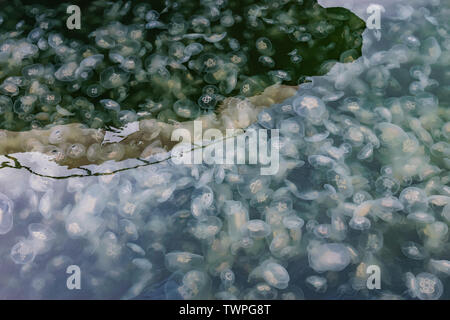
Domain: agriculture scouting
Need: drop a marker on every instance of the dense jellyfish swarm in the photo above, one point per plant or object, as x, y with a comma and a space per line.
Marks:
170, 60
363, 181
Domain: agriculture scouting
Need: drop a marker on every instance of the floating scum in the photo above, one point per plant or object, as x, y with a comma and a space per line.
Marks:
363, 183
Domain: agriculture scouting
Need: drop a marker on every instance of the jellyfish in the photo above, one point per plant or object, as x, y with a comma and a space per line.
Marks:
6, 214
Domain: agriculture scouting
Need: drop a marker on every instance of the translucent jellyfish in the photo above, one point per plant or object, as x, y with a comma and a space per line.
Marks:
294, 224
155, 25
131, 64
264, 46
22, 252
152, 15
440, 149
33, 71
214, 38
58, 134
210, 62
414, 199
429, 287
366, 152
193, 49
391, 135
317, 283
5, 104
322, 231
292, 127
10, 89
113, 77
55, 39
143, 264
227, 278
238, 58
421, 217
40, 236
207, 228
25, 104
6, 214
257, 229
183, 261
46, 204
309, 106
67, 72
431, 50
320, 161
91, 61
446, 130
387, 185
262, 291
237, 217
266, 118
440, 266
109, 104
136, 249
127, 116
359, 223
329, 257
413, 251
50, 98
105, 42
186, 108
94, 90
266, 61
275, 275
411, 284
354, 136
278, 76
207, 101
